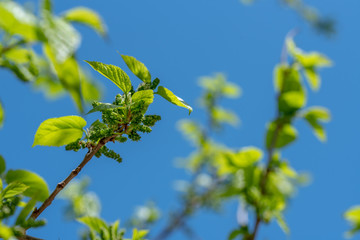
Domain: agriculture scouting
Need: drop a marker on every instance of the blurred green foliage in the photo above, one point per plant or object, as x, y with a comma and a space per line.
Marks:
20, 190
324, 25
56, 69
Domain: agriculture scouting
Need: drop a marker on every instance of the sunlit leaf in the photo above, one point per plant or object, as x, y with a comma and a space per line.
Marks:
18, 55
104, 106
247, 156
353, 215
62, 38
16, 20
280, 136
6, 232
59, 131
313, 78
2, 115
94, 223
2, 164
168, 95
146, 95
314, 116
221, 115
37, 186
114, 73
138, 68
13, 189
139, 234
86, 16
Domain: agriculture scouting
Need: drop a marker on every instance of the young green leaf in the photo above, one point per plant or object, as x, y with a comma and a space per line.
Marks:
2, 164
15, 20
13, 189
59, 131
104, 106
1, 115
86, 16
146, 95
114, 73
139, 234
138, 68
313, 78
314, 116
37, 186
168, 95
284, 135
94, 223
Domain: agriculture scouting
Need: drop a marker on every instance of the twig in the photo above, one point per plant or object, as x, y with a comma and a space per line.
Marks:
60, 186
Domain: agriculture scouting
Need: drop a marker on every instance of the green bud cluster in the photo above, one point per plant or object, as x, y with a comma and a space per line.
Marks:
8, 206
109, 153
121, 120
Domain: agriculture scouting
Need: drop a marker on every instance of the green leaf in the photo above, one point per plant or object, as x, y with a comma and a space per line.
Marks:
13, 189
291, 101
138, 68
313, 78
2, 115
282, 223
313, 59
221, 115
282, 136
168, 95
247, 156
17, 21
2, 164
314, 116
46, 5
94, 223
18, 55
62, 38
37, 186
114, 73
6, 232
86, 16
139, 234
353, 215
146, 95
103, 107
59, 131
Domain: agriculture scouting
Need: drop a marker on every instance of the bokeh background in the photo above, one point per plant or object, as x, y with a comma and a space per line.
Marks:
180, 41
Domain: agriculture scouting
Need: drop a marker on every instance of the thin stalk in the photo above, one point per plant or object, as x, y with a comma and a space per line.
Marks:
60, 186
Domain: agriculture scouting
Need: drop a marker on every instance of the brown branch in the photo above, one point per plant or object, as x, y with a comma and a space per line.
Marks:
27, 237
60, 186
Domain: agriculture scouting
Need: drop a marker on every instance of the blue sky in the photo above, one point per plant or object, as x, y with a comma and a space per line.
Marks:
180, 41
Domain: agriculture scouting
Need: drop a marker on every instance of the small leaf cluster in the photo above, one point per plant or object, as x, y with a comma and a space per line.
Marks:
124, 118
81, 202
56, 70
100, 230
14, 207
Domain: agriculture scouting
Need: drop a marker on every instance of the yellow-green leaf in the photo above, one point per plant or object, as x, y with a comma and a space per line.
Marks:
313, 78
146, 95
13, 189
171, 97
2, 115
280, 136
86, 16
114, 73
38, 188
138, 68
59, 131
16, 20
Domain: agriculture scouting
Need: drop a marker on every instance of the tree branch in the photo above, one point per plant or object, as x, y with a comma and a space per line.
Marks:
60, 186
